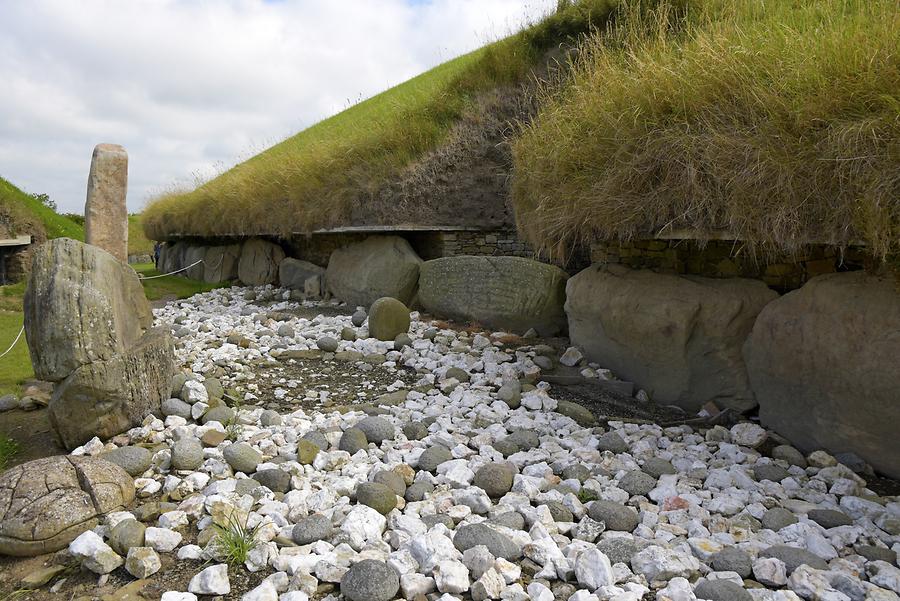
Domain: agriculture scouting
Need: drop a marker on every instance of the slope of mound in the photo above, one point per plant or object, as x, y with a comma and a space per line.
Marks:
21, 214
427, 151
777, 123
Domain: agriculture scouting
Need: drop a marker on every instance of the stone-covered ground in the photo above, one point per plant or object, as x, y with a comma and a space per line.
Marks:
444, 469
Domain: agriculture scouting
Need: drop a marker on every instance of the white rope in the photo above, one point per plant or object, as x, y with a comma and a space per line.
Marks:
14, 342
162, 275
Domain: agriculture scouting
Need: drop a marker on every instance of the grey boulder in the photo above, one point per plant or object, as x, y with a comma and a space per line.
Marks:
379, 266
259, 262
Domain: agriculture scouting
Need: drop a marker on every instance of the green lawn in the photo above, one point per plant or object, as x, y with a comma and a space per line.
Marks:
15, 367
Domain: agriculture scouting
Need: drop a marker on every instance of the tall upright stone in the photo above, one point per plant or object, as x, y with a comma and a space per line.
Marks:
105, 213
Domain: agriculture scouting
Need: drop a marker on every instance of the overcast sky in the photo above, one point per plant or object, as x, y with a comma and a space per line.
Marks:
192, 86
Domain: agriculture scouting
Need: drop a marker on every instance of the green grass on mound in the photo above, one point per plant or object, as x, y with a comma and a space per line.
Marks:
138, 244
776, 121
26, 212
309, 180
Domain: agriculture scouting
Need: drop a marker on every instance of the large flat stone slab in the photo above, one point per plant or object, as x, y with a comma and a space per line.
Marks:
824, 361
506, 293
678, 337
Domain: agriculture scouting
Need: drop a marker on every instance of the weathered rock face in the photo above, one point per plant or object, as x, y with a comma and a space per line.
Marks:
171, 256
81, 305
220, 263
192, 255
105, 213
680, 338
379, 266
823, 363
294, 273
45, 504
508, 293
259, 262
106, 397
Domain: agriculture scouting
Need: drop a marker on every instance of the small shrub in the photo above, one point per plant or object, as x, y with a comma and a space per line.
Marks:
8, 449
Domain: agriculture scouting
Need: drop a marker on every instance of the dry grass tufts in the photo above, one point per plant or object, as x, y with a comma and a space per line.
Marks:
776, 121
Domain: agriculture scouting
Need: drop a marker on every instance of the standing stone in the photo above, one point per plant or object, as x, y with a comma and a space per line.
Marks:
678, 337
823, 363
259, 262
509, 293
361, 273
105, 213
220, 263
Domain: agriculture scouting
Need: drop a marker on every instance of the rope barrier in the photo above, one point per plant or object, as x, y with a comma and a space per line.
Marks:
162, 275
14, 342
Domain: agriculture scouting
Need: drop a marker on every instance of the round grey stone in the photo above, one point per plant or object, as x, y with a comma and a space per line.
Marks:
721, 590
611, 441
789, 454
770, 471
126, 534
358, 318
353, 440
873, 553
242, 457
778, 518
581, 414
545, 363
618, 549
286, 331
524, 440
458, 374
175, 407
793, 557
214, 388
370, 580
732, 559
433, 457
657, 466
274, 479
498, 544
438, 518
317, 438
829, 518
615, 515
637, 482
312, 528
306, 451
496, 479
510, 519
392, 480
576, 472
222, 414
559, 512
177, 383
430, 333
270, 418
418, 490
134, 460
415, 430
377, 496
348, 334
327, 344
187, 454
377, 429
511, 394
402, 340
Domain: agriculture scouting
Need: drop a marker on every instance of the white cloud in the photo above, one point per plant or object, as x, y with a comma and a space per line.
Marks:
186, 85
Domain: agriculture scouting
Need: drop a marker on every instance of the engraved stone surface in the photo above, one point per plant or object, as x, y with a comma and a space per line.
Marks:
46, 503
510, 293
105, 213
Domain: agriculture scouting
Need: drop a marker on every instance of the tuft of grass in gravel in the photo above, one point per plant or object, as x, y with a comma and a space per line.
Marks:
8, 449
233, 543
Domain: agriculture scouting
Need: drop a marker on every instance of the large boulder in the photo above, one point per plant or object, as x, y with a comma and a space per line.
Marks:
81, 305
678, 337
294, 273
379, 266
220, 263
508, 293
823, 363
45, 504
106, 397
259, 262
194, 262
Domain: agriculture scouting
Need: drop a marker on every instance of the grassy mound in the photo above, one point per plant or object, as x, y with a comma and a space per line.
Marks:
22, 214
313, 179
778, 122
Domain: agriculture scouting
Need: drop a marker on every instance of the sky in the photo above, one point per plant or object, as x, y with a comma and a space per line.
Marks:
192, 87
